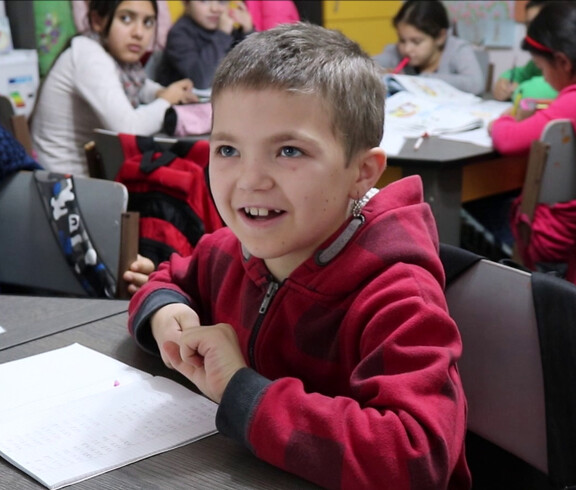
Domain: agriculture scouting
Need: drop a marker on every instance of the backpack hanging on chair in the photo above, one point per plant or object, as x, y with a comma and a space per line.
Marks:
169, 188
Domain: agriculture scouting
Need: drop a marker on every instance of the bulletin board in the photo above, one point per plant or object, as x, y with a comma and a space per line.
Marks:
488, 23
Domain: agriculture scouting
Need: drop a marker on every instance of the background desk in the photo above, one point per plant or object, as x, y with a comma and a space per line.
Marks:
26, 318
454, 172
213, 462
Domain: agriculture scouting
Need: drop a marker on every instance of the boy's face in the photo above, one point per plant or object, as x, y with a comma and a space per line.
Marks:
278, 173
206, 13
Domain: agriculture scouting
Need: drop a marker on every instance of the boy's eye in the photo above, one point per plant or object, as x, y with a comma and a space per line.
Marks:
290, 151
227, 151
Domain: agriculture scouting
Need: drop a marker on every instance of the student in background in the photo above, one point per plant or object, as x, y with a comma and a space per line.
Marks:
163, 22
98, 82
554, 52
525, 80
199, 40
424, 37
317, 318
269, 13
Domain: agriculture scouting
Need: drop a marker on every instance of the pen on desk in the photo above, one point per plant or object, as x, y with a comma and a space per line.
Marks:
401, 65
420, 140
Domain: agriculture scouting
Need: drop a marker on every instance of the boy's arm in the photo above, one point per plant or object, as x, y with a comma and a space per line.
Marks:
162, 289
403, 420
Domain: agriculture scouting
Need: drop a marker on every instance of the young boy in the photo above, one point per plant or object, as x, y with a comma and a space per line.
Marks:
317, 318
199, 40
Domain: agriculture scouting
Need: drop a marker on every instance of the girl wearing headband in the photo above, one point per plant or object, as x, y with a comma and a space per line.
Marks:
551, 42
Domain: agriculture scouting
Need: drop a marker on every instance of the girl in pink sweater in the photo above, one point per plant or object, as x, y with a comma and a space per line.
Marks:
554, 52
550, 40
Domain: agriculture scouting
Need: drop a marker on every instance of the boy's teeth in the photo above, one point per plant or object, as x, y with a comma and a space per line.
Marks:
257, 211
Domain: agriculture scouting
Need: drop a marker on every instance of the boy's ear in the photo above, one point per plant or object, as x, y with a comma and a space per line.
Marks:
371, 166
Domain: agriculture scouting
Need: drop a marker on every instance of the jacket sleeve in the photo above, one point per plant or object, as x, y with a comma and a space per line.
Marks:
163, 288
403, 420
97, 81
193, 59
511, 137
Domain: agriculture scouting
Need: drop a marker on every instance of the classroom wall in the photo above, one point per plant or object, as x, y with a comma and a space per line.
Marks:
369, 23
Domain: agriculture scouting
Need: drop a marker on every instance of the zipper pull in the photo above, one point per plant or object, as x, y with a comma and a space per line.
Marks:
272, 288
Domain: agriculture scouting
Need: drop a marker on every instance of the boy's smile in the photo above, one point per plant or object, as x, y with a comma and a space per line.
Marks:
278, 173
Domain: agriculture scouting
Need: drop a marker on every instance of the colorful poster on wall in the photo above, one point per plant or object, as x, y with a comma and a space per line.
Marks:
489, 23
54, 25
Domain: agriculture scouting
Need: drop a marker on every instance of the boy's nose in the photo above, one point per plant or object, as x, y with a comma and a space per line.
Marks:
253, 176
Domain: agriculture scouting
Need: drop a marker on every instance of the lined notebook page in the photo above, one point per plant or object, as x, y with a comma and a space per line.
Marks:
76, 438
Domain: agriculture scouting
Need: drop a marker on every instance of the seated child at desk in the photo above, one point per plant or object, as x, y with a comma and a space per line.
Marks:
524, 81
199, 40
317, 318
424, 39
99, 83
554, 52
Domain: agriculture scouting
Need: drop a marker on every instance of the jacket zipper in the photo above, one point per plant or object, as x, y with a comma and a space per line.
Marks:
270, 293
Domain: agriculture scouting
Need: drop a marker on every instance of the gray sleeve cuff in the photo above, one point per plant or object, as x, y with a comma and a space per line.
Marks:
238, 404
141, 323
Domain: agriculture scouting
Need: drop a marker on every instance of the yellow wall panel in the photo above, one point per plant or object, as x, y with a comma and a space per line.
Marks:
355, 9
369, 23
176, 9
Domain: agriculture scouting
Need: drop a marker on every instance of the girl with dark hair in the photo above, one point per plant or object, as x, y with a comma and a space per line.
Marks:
525, 80
550, 41
424, 38
99, 82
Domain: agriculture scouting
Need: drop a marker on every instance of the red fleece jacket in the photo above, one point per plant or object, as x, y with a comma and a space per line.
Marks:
352, 380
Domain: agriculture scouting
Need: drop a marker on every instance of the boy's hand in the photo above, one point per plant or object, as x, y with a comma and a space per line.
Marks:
503, 89
137, 275
168, 323
208, 356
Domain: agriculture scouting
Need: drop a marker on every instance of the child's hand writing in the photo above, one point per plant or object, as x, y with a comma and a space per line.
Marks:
179, 92
208, 356
503, 89
168, 323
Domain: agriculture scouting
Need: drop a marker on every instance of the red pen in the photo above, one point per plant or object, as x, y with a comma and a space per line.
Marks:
401, 65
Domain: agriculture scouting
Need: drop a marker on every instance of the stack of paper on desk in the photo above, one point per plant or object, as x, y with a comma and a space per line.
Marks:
73, 413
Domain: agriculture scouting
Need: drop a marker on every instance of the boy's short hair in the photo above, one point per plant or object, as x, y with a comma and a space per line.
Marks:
309, 59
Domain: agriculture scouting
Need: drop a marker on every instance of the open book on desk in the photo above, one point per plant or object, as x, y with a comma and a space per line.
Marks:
72, 413
412, 116
431, 88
